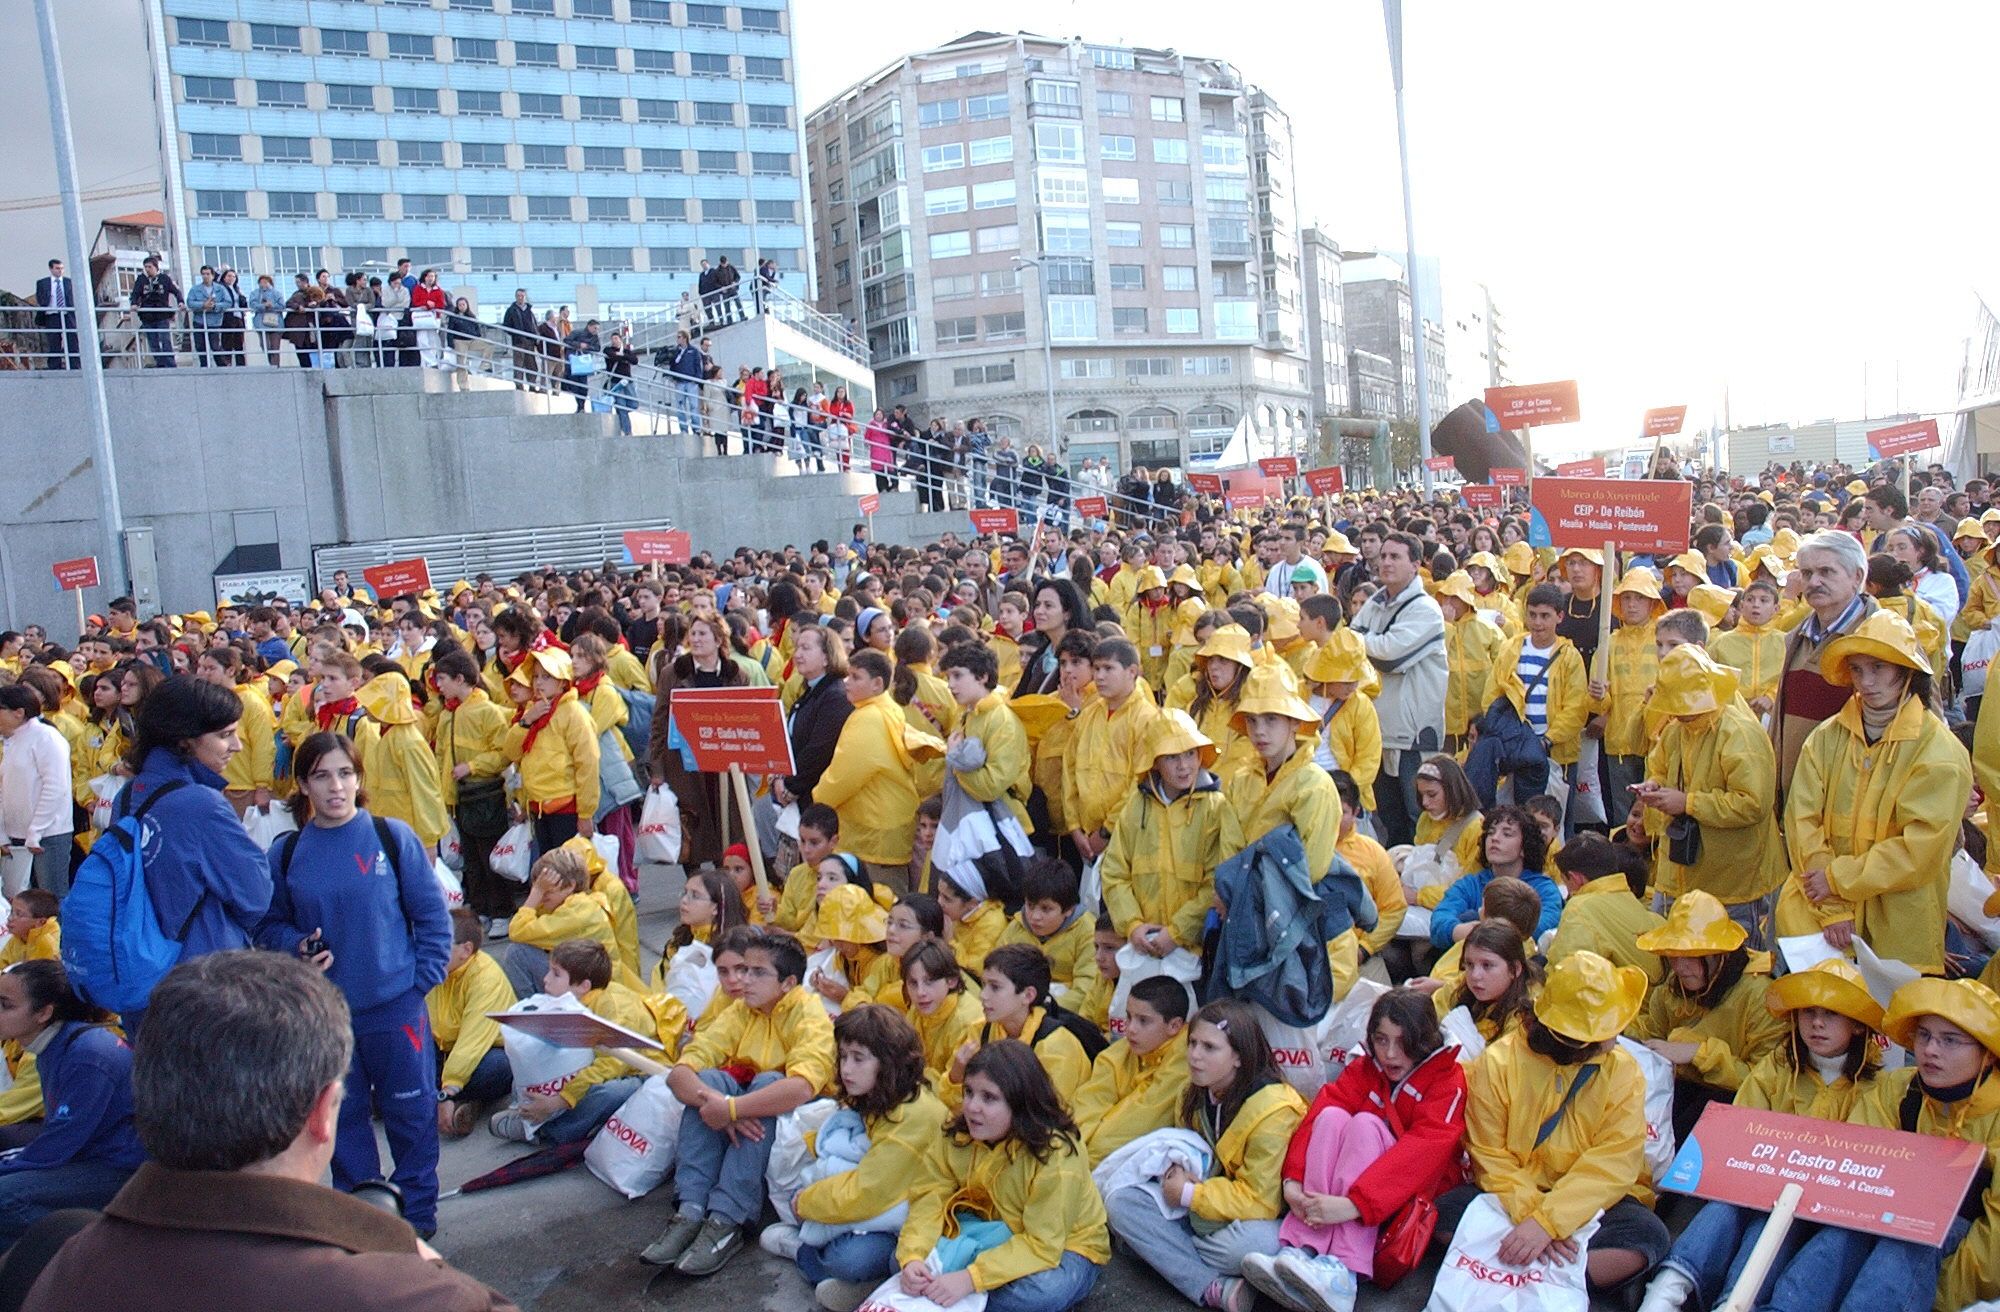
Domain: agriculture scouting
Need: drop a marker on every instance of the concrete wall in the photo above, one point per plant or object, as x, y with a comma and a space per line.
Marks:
352, 456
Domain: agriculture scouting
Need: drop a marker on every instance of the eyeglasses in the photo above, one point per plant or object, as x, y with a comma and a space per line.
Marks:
1943, 1042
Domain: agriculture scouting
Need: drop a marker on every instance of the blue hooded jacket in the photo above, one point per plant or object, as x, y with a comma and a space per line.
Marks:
1270, 949
198, 856
1461, 904
86, 1074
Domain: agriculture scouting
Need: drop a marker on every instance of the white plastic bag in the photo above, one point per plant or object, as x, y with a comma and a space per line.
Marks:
267, 826
692, 978
792, 1152
1425, 865
635, 1149
1970, 887
1134, 965
1460, 1028
1586, 797
889, 1296
660, 827
104, 790
1474, 1279
514, 855
454, 892
825, 964
1980, 649
1346, 1027
1090, 890
606, 846
1659, 1073
451, 848
1300, 1051
541, 1067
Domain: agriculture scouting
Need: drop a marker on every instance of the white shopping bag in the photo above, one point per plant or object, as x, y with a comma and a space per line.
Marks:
692, 978
1980, 649
1970, 887
825, 964
792, 1152
1474, 1279
1460, 1028
1309, 1056
1091, 888
17, 868
660, 827
635, 1149
889, 1296
454, 892
104, 790
540, 1066
1659, 1073
451, 848
606, 846
1134, 965
514, 855
268, 825
1586, 799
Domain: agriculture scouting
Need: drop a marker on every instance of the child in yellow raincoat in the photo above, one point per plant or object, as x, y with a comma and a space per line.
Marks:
1135, 1085
1340, 681
1629, 670
397, 760
1159, 868
1471, 643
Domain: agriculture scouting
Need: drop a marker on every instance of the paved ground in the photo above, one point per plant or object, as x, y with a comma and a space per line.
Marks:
568, 1243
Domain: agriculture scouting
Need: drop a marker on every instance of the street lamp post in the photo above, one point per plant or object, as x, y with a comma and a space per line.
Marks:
1058, 441
1392, 16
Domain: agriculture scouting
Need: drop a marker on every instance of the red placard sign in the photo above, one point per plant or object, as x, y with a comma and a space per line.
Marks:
399, 578
1326, 482
1884, 1182
733, 726
869, 503
1279, 466
1206, 484
1093, 507
1636, 515
1481, 496
78, 573
1902, 439
1591, 468
573, 1029
1534, 404
1666, 420
995, 521
663, 547
1506, 476
1245, 500
1441, 464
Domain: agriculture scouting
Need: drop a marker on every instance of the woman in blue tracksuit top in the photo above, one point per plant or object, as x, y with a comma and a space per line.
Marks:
202, 867
87, 1147
371, 915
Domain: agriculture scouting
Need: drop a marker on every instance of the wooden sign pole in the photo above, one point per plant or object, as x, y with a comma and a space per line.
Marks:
741, 788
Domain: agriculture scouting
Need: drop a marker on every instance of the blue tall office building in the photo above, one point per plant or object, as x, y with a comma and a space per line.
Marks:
591, 151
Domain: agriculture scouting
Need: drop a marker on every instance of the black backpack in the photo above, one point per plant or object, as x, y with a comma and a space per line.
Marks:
1057, 1017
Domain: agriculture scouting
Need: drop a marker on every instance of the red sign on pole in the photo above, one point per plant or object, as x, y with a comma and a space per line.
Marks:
733, 726
399, 578
1326, 482
1902, 439
78, 573
1206, 484
1637, 515
1441, 464
663, 547
1883, 1182
1507, 476
1481, 496
1665, 420
1279, 466
1534, 404
1093, 507
995, 521
869, 503
1245, 500
1591, 468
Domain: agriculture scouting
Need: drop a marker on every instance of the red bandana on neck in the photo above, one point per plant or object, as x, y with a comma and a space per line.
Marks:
328, 714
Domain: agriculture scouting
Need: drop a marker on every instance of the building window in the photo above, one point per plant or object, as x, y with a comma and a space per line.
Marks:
777, 211
843, 273
273, 36
652, 61
659, 161
599, 109
429, 257
291, 205
354, 150
591, 9
597, 57
1169, 150
1066, 233
1148, 366
957, 332
425, 207
1123, 234
604, 159
408, 45
226, 257
1212, 416
607, 209
1000, 237
546, 8
1112, 57
652, 11
715, 112
1117, 147
343, 95
1236, 321
361, 257
658, 111
943, 200
1129, 321
1085, 368
1059, 99
1183, 320
978, 375
277, 95
937, 113
715, 161
213, 90
758, 20
1072, 319
769, 116
1068, 276
1175, 192
705, 65
1000, 282
288, 260
612, 259
357, 205
668, 259
937, 159
993, 195
951, 287
415, 100
992, 150
1177, 236
287, 150
536, 104
1114, 104
487, 154
544, 157
1121, 191
1058, 143
1177, 278
473, 50
549, 207
342, 41
535, 54
210, 145
1195, 366
1128, 277
552, 259
1168, 109
763, 70
420, 153
1151, 421
488, 207
1009, 327
210, 32
665, 209
1091, 421
1063, 188
708, 16
978, 109
950, 245
770, 164
491, 259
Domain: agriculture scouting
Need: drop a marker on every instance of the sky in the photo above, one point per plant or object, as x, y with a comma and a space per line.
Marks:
1789, 202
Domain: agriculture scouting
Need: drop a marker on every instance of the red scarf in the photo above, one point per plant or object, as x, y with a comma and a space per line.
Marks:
535, 729
588, 685
328, 714
453, 703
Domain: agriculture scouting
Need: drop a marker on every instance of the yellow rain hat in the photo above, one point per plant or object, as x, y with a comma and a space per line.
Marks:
1281, 617
1882, 635
1457, 584
1966, 1003
282, 670
1149, 578
1268, 691
849, 914
593, 860
1039, 712
1342, 658
1833, 984
1857, 488
1968, 528
1489, 562
1520, 559
1697, 926
386, 697
1183, 573
200, 619
1174, 732
1336, 544
1640, 582
1692, 562
1785, 544
1591, 554
1712, 602
1992, 516
1231, 642
1586, 999
1691, 683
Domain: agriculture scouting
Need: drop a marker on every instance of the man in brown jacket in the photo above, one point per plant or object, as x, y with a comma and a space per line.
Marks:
1831, 567
237, 1084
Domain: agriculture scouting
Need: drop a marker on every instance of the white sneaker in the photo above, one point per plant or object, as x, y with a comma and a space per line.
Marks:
1668, 1292
1260, 1270
510, 1124
842, 1295
1323, 1284
781, 1241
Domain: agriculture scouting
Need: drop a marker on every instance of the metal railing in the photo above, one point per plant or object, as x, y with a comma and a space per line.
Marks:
655, 326
503, 553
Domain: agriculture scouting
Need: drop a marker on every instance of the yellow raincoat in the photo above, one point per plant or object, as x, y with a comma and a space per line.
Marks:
1128, 1095
1774, 1085
1724, 761
1971, 1274
957, 1020
1469, 848
872, 781
610, 891
1159, 868
1051, 1207
795, 1036
1071, 950
1471, 645
624, 1006
977, 935
255, 765
1632, 669
1354, 737
1004, 776
1061, 1055
398, 767
458, 1009
1372, 862
561, 766
1603, 917
1568, 694
1300, 794
608, 711
1730, 1037
932, 711
1756, 654
1107, 755
1246, 1180
475, 734
898, 1142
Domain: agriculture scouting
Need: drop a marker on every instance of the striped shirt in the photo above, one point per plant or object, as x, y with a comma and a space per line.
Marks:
1532, 667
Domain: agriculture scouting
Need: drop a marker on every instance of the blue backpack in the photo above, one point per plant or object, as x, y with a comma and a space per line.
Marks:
638, 726
113, 946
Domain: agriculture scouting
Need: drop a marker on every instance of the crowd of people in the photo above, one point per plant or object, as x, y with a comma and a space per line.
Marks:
1277, 896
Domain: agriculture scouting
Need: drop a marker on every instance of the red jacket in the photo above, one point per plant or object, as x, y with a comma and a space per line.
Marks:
427, 298
1428, 1119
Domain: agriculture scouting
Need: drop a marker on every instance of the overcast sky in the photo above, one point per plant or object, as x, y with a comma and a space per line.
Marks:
1664, 201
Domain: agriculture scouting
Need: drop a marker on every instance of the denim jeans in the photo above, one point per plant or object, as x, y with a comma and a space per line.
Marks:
714, 1176
1056, 1289
860, 1258
687, 404
491, 1080
1712, 1250
160, 345
1188, 1261
1857, 1272
620, 392
590, 1113
28, 1196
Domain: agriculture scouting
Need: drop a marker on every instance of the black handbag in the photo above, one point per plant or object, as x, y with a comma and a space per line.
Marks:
482, 807
1683, 840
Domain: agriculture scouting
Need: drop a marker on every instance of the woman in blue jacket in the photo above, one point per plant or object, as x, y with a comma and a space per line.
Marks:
1513, 845
87, 1147
202, 869
355, 895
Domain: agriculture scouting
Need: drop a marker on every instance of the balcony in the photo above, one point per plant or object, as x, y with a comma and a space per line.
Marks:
1230, 250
